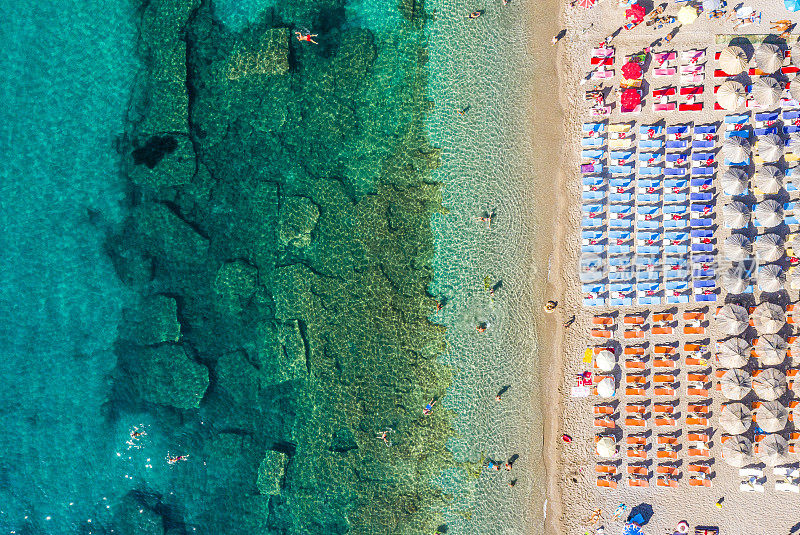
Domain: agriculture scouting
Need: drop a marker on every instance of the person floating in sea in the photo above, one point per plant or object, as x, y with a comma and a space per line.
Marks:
176, 458
135, 434
429, 407
475, 14
488, 217
499, 396
481, 327
383, 435
306, 36
464, 110
550, 306
558, 37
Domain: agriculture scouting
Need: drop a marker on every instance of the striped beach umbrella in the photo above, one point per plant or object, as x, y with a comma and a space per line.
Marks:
586, 4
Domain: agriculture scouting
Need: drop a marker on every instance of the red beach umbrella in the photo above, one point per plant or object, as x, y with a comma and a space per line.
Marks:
630, 99
586, 4
635, 13
632, 71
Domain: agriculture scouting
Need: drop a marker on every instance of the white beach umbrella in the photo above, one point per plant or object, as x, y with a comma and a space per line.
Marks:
732, 319
769, 384
732, 60
796, 54
733, 353
735, 418
769, 247
766, 91
737, 451
769, 278
769, 178
770, 349
794, 89
772, 416
772, 450
730, 95
769, 57
795, 384
736, 214
769, 213
736, 247
734, 280
606, 447
735, 384
605, 361
768, 318
794, 283
606, 388
734, 181
770, 148
736, 149
710, 5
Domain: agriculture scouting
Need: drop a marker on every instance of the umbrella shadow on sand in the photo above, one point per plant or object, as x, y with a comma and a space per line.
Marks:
641, 514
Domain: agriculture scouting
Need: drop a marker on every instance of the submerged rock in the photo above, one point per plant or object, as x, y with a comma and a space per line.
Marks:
298, 219
235, 285
270, 473
135, 518
167, 376
155, 321
168, 237
163, 161
259, 54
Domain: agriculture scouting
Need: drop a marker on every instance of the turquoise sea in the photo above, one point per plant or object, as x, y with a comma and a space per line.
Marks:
217, 265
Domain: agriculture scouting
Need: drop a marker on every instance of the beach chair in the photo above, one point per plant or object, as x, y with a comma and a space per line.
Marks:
609, 469
698, 481
606, 482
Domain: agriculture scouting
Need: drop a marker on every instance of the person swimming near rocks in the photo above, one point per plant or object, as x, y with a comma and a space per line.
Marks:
383, 435
429, 407
135, 434
306, 36
176, 458
475, 14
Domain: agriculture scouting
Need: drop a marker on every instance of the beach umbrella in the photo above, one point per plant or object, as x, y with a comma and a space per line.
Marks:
736, 451
736, 215
795, 383
792, 5
736, 247
635, 13
730, 94
769, 247
772, 450
630, 98
769, 57
632, 528
766, 91
732, 319
733, 353
769, 384
735, 384
769, 278
736, 149
687, 14
735, 418
768, 318
732, 60
770, 148
770, 349
734, 280
772, 416
606, 388
710, 5
794, 89
769, 213
586, 4
734, 181
592, 268
606, 361
632, 70
606, 447
794, 284
769, 178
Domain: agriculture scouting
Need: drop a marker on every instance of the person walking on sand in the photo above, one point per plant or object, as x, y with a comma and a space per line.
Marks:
559, 36
307, 37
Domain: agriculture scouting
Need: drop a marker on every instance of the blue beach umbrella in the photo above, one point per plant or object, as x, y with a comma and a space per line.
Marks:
632, 528
792, 5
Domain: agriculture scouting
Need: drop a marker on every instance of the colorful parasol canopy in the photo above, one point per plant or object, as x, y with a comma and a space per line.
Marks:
630, 98
635, 13
632, 70
687, 14
586, 4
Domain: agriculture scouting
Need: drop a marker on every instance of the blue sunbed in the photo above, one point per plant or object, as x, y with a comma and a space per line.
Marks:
675, 171
701, 222
702, 197
705, 298
766, 131
592, 180
702, 248
737, 133
675, 223
791, 129
701, 182
648, 249
594, 127
651, 144
676, 183
702, 156
648, 235
705, 129
791, 220
677, 144
671, 198
789, 115
589, 222
767, 116
703, 144
647, 209
676, 236
678, 129
593, 154
620, 223
620, 154
619, 249
619, 235
591, 234
620, 197
649, 183
647, 156
655, 170
651, 225
593, 142
598, 195
620, 182
648, 198
702, 233
737, 119
620, 208
702, 171
646, 128
676, 249
594, 249
676, 209
593, 208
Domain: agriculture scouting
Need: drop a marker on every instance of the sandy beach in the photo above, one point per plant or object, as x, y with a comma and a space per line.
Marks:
572, 492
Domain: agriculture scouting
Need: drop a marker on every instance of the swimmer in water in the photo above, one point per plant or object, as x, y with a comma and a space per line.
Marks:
383, 436
475, 14
135, 434
176, 459
429, 407
307, 37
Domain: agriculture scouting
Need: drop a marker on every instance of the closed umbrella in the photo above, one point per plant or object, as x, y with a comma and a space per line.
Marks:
770, 148
734, 181
736, 149
770, 349
630, 99
736, 215
730, 94
687, 14
735, 384
769, 213
772, 450
737, 451
769, 57
732, 60
769, 384
605, 360
736, 247
734, 280
769, 178
769, 318
733, 353
735, 418
606, 447
606, 388
732, 319
772, 416
632, 70
769, 247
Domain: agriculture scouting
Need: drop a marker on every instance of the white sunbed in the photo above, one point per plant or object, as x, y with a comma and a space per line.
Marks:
751, 472
751, 487
785, 486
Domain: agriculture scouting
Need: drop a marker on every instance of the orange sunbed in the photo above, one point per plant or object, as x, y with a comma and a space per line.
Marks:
633, 421
698, 437
603, 409
699, 392
606, 483
664, 421
635, 365
701, 468
605, 469
664, 391
699, 482
633, 378
699, 377
757, 439
667, 482
792, 448
637, 439
608, 423
664, 408
661, 363
694, 361
794, 435
666, 469
663, 350
755, 404
600, 334
696, 420
634, 391
662, 330
792, 404
658, 318
637, 408
694, 330
699, 409
602, 320
638, 470
667, 454
694, 316
638, 452
789, 314
693, 348
667, 439
699, 452
664, 378
719, 373
638, 482
792, 372
634, 334
633, 320
634, 350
